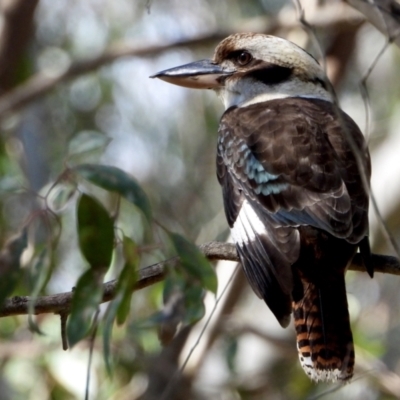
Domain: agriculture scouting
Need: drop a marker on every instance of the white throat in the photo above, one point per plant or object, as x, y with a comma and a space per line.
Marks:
244, 92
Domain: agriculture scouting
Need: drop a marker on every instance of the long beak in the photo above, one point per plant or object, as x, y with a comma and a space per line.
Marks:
203, 74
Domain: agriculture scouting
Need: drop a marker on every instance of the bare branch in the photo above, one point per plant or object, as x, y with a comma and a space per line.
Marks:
60, 303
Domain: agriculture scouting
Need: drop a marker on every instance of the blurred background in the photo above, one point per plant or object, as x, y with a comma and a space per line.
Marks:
75, 88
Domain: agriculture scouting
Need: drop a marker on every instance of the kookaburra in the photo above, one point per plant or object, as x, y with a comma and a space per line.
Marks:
294, 171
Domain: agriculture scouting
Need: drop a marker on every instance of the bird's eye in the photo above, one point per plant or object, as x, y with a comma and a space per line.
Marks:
243, 58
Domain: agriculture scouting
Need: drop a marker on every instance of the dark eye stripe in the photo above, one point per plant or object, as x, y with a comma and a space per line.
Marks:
270, 74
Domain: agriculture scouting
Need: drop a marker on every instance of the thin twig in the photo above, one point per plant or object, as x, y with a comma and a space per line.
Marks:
382, 14
367, 105
311, 33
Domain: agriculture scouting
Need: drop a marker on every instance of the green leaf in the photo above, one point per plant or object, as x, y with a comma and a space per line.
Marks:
107, 332
60, 195
172, 282
120, 306
231, 349
87, 141
87, 297
194, 262
194, 304
96, 233
127, 278
39, 274
193, 311
10, 268
115, 180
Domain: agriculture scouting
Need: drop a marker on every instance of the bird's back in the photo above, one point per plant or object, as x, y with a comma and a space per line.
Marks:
298, 209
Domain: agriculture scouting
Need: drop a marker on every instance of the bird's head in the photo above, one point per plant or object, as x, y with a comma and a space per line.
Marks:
251, 67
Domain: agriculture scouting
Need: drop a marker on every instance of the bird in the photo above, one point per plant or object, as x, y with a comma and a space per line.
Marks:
294, 170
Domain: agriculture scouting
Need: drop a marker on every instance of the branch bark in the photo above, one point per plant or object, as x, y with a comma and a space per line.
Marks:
60, 303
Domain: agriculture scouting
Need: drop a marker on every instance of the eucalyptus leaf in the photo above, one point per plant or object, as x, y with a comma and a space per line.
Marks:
39, 271
194, 304
114, 179
39, 274
107, 331
87, 141
127, 278
120, 306
86, 299
194, 262
95, 232
10, 266
60, 195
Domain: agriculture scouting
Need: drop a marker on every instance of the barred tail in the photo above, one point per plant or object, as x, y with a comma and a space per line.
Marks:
324, 338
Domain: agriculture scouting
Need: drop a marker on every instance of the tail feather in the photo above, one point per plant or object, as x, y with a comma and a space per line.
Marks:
324, 338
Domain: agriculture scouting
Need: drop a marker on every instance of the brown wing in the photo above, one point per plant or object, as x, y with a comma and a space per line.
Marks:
289, 162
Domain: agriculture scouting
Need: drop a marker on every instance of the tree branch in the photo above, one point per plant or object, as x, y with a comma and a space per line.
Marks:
42, 83
60, 303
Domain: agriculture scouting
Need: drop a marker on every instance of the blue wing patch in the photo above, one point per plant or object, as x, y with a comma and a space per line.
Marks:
266, 183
